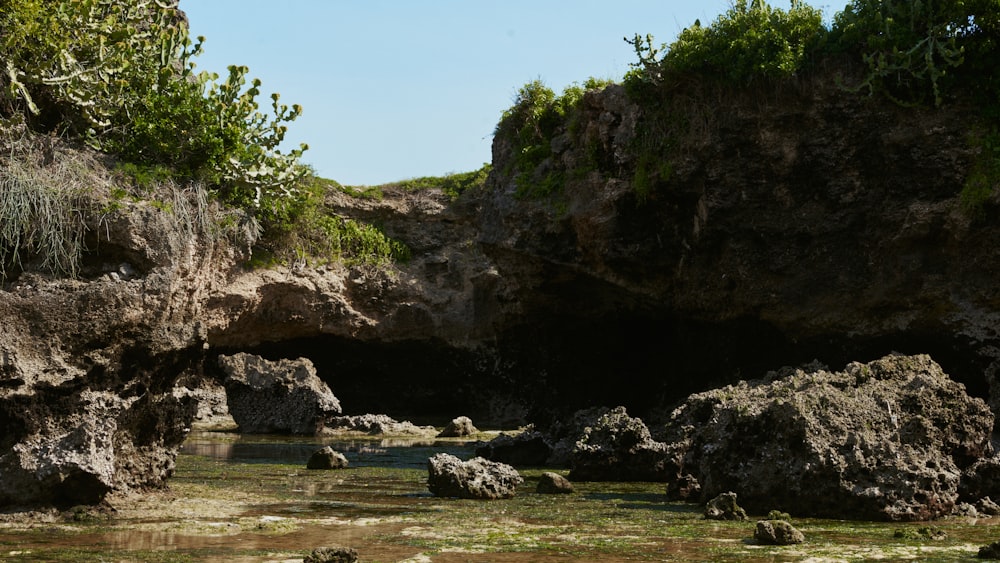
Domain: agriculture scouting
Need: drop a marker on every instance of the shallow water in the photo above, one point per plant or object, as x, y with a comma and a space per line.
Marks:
250, 499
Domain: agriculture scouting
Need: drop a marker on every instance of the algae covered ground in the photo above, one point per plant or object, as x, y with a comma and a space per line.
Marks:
250, 499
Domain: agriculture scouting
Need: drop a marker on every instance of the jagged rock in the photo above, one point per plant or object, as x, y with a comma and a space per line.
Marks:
724, 507
550, 483
332, 555
777, 532
458, 428
82, 447
377, 424
326, 458
882, 440
211, 406
617, 447
276, 396
524, 449
478, 478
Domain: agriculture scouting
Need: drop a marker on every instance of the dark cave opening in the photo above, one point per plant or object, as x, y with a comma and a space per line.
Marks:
541, 371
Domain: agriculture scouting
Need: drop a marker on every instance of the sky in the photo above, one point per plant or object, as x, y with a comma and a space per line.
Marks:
398, 89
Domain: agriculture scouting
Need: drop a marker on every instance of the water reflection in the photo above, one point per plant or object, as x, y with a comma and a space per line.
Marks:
375, 452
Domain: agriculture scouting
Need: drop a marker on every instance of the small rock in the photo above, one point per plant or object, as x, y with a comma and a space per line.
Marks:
551, 483
459, 428
477, 478
724, 507
327, 458
332, 555
777, 532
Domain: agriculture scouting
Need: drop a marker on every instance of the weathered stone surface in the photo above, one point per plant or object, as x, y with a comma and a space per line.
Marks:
617, 447
276, 396
458, 428
551, 483
777, 532
332, 555
882, 440
724, 507
326, 458
478, 478
376, 425
88, 364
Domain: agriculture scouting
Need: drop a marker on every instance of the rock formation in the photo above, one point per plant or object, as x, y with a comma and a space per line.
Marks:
777, 532
783, 225
551, 483
282, 396
459, 427
617, 447
327, 458
448, 476
883, 440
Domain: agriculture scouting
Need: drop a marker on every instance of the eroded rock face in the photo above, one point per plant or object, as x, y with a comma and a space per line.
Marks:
276, 396
883, 440
617, 447
478, 478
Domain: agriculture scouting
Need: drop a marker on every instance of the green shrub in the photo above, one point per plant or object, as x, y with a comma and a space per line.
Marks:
908, 46
530, 125
452, 185
749, 40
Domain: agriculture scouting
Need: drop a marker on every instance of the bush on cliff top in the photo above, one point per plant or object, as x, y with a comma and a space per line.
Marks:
120, 77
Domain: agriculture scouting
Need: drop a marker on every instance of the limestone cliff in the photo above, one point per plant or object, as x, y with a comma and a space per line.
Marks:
782, 226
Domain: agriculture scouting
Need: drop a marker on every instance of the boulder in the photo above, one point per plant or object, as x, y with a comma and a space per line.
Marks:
525, 449
284, 396
458, 428
777, 532
550, 483
724, 507
326, 458
478, 478
332, 555
882, 440
617, 447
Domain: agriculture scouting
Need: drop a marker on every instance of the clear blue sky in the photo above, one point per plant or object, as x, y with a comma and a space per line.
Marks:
396, 89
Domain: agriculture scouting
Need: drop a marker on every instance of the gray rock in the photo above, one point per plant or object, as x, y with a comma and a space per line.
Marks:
550, 483
332, 555
724, 507
327, 458
458, 428
276, 396
885, 440
478, 478
617, 447
777, 532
